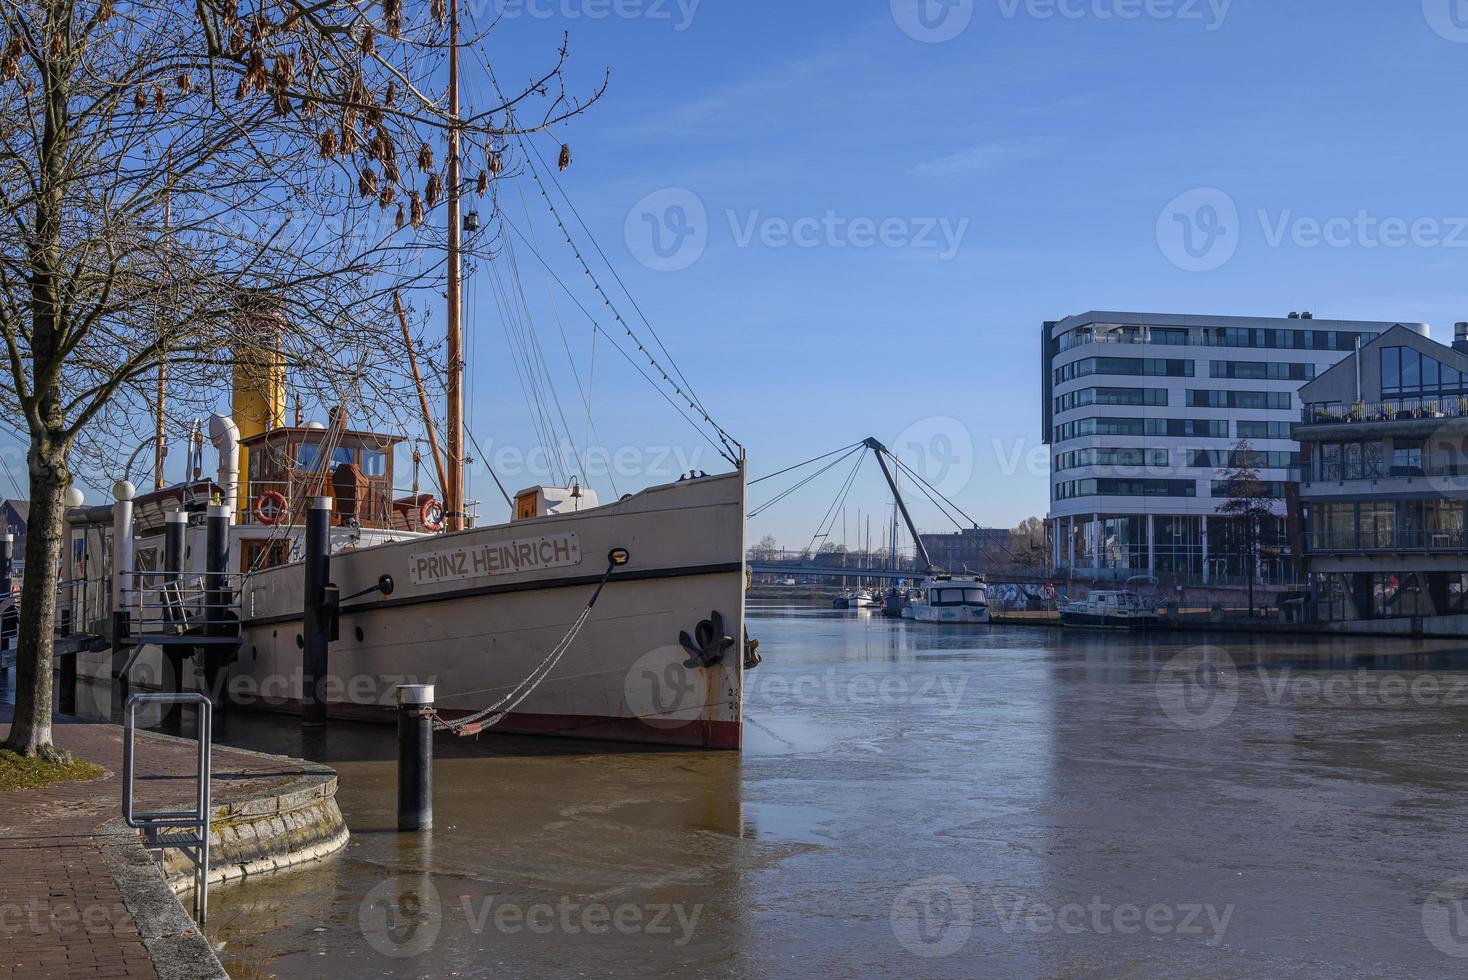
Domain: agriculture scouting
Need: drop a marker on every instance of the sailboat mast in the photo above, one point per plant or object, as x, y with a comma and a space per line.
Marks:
454, 486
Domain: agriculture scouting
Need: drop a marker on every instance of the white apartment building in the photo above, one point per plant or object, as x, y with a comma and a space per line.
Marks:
1143, 412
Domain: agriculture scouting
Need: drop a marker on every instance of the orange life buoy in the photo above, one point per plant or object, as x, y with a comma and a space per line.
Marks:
431, 514
270, 507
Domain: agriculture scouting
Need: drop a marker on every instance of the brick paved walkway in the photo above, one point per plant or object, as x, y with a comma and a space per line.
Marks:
61, 913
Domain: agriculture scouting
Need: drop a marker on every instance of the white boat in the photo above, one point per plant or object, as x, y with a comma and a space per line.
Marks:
660, 659
1124, 608
954, 599
862, 599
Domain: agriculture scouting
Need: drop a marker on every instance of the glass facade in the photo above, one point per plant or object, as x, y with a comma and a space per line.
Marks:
1408, 373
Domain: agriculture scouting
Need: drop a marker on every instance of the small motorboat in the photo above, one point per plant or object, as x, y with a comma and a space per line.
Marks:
1122, 609
953, 599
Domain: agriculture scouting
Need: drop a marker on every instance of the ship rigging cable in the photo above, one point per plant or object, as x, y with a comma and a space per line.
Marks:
731, 448
805, 481
837, 504
496, 713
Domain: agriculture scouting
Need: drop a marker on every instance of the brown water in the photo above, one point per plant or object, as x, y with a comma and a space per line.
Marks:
915, 801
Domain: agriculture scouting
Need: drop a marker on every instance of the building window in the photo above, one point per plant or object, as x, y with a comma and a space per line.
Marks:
1408, 373
1275, 488
1116, 487
1270, 400
1407, 457
1083, 397
1261, 370
1263, 430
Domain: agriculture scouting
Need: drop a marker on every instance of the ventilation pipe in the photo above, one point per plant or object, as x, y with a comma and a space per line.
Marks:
225, 436
1460, 338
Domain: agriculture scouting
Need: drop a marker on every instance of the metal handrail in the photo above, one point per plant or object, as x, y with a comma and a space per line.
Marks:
195, 846
180, 597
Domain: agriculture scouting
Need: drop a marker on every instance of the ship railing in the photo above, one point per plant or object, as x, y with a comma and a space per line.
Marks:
161, 602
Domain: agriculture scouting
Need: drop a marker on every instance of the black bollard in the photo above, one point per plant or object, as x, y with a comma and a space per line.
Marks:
316, 629
217, 601
66, 685
415, 757
9, 635
176, 524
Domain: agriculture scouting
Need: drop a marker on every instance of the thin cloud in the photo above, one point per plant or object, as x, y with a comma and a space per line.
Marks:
707, 112
985, 158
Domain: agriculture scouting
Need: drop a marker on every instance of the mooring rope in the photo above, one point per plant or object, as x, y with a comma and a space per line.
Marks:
496, 713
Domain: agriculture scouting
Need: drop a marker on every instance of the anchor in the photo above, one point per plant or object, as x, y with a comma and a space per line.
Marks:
708, 644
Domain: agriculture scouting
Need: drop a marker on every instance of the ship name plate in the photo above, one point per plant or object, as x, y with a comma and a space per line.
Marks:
494, 558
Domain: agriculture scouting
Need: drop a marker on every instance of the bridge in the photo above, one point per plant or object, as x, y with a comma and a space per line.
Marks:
808, 569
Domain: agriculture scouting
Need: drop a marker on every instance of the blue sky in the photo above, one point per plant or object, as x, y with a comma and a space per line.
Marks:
1015, 172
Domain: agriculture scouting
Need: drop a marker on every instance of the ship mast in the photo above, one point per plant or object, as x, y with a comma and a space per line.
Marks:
454, 486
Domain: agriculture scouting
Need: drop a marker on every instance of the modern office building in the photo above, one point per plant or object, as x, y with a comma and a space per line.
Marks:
1143, 413
1384, 440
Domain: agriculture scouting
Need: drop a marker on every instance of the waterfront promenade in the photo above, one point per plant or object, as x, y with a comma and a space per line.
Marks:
78, 900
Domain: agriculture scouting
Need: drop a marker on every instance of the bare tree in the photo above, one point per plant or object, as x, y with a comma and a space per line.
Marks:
183, 184
1249, 505
768, 549
1029, 542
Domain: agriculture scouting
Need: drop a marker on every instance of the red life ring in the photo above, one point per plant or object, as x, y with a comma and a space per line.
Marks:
270, 507
431, 514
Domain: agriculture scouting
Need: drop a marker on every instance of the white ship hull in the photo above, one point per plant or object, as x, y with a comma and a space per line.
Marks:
956, 615
475, 612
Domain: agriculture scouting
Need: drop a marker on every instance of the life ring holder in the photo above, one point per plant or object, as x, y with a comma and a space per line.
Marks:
262, 503
430, 513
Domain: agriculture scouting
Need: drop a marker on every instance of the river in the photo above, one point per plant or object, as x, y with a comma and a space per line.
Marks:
918, 801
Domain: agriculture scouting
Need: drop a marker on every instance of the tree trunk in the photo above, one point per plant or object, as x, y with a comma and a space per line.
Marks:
30, 730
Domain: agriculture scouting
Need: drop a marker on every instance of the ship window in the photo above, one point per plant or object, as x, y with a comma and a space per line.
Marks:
341, 455
374, 462
307, 454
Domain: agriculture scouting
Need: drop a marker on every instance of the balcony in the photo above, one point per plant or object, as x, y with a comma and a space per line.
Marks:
1402, 410
1390, 541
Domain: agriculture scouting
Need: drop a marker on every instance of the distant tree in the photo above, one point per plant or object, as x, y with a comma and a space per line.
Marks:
768, 549
1027, 541
1249, 505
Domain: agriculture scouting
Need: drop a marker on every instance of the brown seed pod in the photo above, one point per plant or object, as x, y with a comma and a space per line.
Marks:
185, 83
415, 208
391, 97
237, 40
367, 182
10, 60
398, 222
432, 189
496, 164
565, 157
369, 42
425, 158
140, 100
328, 144
160, 99
385, 197
284, 74
390, 169
440, 12
104, 11
481, 184
392, 15
349, 140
